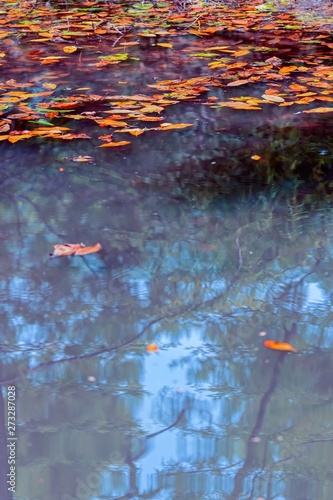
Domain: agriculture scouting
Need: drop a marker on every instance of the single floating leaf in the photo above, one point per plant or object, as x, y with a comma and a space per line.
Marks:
174, 126
166, 45
272, 98
64, 249
83, 159
114, 144
69, 49
318, 110
87, 250
151, 348
279, 346
238, 82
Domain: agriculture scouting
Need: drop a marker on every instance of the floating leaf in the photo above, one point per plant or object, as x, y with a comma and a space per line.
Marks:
151, 348
114, 144
87, 250
166, 45
174, 126
4, 127
238, 82
47, 85
279, 346
69, 49
297, 87
110, 122
272, 98
132, 131
83, 159
65, 249
318, 110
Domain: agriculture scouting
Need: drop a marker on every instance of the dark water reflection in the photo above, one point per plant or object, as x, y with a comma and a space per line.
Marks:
200, 256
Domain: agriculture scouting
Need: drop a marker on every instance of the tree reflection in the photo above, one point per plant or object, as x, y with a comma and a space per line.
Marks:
182, 259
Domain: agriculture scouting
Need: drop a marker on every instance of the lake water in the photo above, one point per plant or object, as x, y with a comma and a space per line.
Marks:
206, 253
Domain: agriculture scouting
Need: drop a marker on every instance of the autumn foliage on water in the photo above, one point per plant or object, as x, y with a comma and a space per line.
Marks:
262, 56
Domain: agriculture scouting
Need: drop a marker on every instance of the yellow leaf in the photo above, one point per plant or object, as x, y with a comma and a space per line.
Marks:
166, 45
49, 85
69, 49
239, 53
151, 109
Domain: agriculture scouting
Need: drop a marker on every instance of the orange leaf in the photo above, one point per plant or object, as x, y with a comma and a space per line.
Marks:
114, 144
132, 131
279, 346
152, 348
318, 110
255, 157
297, 87
65, 249
109, 122
87, 250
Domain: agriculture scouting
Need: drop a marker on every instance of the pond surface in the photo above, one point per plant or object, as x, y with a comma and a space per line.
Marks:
206, 253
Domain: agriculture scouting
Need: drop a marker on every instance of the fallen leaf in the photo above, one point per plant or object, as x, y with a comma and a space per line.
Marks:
318, 110
65, 249
174, 126
83, 159
255, 157
272, 98
114, 144
69, 49
237, 82
132, 131
151, 348
87, 250
297, 87
279, 346
166, 45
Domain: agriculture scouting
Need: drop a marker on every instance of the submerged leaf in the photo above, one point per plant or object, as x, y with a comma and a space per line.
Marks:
279, 346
